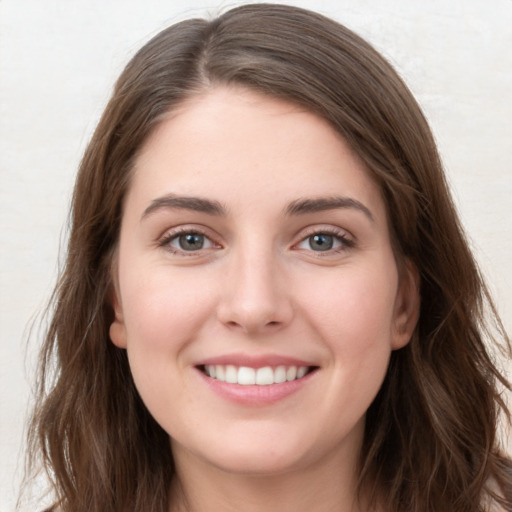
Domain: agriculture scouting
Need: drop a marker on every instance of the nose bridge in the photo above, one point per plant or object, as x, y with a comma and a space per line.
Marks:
255, 295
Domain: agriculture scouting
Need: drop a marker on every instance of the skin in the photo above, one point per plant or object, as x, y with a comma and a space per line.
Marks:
258, 287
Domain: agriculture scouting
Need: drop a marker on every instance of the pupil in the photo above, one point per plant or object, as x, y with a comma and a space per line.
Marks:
191, 242
321, 242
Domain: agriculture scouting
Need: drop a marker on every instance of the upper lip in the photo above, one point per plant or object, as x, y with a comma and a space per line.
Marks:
254, 361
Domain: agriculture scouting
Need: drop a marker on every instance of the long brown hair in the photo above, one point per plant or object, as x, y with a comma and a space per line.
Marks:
430, 441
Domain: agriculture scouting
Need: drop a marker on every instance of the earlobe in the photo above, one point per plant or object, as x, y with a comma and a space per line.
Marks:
117, 329
407, 306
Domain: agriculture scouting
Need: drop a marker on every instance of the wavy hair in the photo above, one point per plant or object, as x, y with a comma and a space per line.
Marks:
430, 440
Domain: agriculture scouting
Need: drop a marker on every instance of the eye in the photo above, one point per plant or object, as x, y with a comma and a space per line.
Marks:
186, 241
325, 241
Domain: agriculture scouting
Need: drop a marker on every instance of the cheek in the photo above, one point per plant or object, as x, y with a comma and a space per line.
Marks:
357, 300
163, 313
353, 316
164, 309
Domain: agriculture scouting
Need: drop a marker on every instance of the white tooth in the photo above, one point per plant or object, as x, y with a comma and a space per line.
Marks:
231, 374
220, 373
210, 370
291, 373
246, 376
264, 376
280, 374
301, 372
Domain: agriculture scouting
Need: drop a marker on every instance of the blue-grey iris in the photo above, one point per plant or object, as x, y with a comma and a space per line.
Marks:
321, 242
191, 241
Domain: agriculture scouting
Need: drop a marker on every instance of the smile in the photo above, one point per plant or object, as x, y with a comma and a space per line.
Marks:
246, 376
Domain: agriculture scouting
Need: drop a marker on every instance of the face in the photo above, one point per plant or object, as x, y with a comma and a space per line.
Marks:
257, 293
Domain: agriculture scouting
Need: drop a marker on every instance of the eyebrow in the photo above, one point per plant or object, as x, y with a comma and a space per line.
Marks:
212, 207
173, 202
313, 205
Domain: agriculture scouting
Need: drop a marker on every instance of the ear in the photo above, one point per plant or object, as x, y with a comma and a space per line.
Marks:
407, 305
117, 327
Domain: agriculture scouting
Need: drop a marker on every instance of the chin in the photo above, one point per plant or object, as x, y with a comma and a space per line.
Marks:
258, 462
251, 454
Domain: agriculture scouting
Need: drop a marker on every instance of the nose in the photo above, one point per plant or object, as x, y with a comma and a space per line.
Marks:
255, 298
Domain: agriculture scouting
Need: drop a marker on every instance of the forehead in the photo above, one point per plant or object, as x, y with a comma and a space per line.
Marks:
238, 143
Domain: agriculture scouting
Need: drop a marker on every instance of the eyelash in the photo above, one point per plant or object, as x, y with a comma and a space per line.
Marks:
345, 242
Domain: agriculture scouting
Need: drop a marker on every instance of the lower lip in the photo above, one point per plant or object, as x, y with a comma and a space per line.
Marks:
255, 395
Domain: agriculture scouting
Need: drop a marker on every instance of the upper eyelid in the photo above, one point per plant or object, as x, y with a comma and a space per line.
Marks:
326, 229
187, 228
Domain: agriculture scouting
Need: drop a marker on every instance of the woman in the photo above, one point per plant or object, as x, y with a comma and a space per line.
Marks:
268, 300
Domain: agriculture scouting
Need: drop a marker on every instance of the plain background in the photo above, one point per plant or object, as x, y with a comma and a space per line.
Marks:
58, 62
